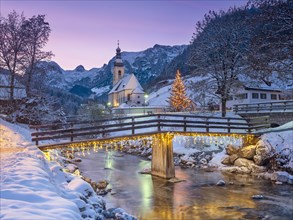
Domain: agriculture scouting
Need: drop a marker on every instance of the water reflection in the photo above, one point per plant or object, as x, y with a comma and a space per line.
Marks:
150, 197
146, 189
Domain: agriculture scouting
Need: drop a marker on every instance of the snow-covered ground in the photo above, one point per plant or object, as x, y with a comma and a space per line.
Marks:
162, 95
33, 188
100, 90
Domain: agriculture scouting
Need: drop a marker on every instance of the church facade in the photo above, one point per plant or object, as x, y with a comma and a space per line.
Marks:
126, 88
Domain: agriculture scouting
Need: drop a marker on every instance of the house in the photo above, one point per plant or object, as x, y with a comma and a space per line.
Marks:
249, 95
19, 89
126, 88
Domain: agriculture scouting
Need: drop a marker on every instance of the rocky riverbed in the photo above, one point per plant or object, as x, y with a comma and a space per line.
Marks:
69, 163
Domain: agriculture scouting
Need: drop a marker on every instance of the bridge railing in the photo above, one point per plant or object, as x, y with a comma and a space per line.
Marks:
143, 124
278, 106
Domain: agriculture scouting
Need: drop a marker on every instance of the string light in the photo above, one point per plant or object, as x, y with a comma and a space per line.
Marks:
118, 144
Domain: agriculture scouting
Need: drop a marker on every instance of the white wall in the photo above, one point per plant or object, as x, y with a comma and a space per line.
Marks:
137, 99
250, 100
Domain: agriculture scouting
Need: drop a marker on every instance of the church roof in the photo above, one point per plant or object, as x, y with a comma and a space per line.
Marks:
137, 90
128, 82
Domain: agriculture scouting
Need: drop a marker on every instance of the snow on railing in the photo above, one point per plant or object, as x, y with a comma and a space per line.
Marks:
145, 124
276, 106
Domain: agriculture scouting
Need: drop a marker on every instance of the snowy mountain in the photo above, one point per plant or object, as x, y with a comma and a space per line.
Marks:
147, 65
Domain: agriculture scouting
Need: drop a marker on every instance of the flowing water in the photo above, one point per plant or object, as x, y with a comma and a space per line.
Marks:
149, 197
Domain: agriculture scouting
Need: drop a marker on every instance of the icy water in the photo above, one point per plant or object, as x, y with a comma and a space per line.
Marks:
149, 197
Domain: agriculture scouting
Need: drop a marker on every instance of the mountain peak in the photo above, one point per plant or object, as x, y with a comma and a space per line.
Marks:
80, 68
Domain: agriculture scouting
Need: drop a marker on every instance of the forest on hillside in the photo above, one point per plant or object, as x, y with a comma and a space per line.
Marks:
248, 44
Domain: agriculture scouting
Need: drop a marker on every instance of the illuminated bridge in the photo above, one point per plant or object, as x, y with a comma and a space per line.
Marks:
159, 128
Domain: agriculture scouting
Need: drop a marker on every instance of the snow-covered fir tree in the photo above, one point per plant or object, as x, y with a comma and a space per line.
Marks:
178, 98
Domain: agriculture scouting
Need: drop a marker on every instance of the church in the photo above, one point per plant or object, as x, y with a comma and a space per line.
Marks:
126, 88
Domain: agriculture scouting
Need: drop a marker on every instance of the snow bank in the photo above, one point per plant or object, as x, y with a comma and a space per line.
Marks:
281, 140
32, 188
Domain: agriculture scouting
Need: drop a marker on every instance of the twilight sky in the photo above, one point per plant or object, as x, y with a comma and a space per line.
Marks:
86, 31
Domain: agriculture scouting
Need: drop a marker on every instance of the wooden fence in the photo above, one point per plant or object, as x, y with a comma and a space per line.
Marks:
278, 106
137, 125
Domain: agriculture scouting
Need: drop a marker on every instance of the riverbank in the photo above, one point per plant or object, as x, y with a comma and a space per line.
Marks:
34, 188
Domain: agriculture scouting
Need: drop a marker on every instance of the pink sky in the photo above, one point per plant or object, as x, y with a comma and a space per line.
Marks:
86, 32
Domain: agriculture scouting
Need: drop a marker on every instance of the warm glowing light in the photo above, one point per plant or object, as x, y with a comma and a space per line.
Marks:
178, 98
82, 148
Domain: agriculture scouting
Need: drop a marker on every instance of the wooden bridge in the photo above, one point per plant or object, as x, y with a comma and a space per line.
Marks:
161, 128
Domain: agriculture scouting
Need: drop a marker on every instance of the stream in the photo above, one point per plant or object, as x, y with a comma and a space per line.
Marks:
148, 197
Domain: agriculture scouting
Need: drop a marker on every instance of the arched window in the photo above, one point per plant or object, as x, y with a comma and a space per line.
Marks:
119, 72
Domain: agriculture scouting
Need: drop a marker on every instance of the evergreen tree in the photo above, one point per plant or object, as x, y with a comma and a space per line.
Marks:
178, 98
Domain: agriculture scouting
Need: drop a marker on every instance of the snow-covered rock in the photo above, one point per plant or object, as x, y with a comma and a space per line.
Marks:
273, 152
281, 176
221, 183
263, 152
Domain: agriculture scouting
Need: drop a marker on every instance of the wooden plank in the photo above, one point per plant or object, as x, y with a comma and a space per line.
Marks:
41, 133
265, 106
89, 121
201, 122
90, 133
202, 117
146, 135
203, 126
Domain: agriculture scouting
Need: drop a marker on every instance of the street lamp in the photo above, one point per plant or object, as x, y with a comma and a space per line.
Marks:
109, 107
145, 97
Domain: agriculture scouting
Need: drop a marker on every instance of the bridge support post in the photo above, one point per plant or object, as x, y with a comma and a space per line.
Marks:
162, 156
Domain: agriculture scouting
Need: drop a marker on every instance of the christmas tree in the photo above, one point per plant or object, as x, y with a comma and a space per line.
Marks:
178, 98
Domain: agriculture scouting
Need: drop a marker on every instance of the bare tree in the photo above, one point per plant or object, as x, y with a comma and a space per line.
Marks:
11, 45
272, 41
37, 32
218, 48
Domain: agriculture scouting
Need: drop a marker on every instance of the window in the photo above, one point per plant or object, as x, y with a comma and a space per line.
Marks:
138, 96
273, 97
128, 97
255, 95
138, 102
119, 72
263, 96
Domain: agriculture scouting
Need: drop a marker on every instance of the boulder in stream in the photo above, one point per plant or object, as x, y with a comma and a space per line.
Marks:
221, 183
102, 184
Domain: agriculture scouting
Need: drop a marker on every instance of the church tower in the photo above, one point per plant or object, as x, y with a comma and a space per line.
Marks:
118, 71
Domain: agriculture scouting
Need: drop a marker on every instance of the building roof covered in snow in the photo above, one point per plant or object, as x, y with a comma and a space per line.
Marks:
138, 90
128, 82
